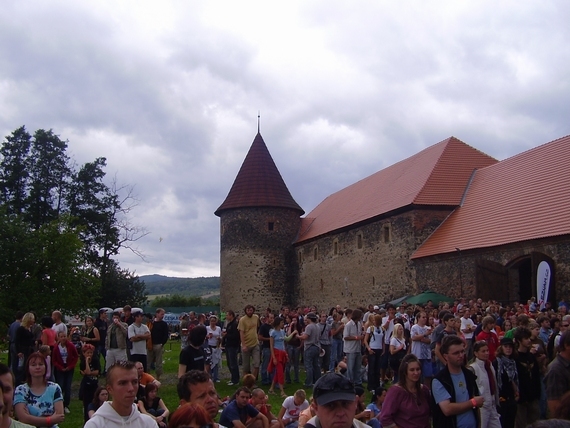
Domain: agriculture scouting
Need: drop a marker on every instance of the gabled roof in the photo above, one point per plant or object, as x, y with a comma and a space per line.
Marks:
520, 198
259, 183
436, 176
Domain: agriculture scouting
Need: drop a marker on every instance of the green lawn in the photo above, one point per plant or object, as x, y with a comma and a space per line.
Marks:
168, 388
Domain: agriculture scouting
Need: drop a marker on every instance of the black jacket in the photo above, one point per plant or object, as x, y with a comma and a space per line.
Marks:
439, 419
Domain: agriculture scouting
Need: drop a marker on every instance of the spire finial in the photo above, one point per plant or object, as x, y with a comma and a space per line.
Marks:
258, 120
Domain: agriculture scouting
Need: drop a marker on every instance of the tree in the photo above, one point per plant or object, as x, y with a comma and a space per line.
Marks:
63, 226
43, 268
49, 173
14, 173
121, 287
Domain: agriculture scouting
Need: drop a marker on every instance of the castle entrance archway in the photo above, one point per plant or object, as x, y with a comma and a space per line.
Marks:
522, 273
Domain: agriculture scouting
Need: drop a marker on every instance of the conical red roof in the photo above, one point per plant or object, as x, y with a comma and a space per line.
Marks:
259, 183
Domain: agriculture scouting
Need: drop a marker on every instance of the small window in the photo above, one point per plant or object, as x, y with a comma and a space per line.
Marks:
359, 241
270, 226
300, 256
335, 247
316, 253
387, 233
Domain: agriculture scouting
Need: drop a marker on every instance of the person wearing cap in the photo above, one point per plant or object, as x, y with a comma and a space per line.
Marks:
507, 382
334, 403
312, 349
138, 334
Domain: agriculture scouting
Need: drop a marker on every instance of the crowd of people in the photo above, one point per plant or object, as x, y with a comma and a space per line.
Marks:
466, 364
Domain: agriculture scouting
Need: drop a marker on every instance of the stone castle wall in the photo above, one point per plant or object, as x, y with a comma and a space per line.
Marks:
257, 259
366, 264
447, 274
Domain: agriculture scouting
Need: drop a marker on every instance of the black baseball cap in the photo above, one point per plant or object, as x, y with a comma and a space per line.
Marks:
333, 387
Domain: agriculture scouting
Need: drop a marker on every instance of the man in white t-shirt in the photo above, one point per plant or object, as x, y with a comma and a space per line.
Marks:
58, 324
388, 326
467, 328
420, 335
291, 409
138, 335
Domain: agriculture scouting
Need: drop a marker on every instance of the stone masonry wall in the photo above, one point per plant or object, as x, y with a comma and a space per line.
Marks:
379, 271
256, 263
442, 273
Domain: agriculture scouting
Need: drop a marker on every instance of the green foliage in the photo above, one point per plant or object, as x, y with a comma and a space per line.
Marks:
121, 288
43, 267
158, 284
177, 300
60, 229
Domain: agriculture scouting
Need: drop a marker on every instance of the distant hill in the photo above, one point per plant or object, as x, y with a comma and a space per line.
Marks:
160, 284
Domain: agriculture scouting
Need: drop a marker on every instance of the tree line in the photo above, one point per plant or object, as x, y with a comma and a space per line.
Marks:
61, 224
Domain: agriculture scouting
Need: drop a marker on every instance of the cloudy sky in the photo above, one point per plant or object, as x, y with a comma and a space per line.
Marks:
169, 92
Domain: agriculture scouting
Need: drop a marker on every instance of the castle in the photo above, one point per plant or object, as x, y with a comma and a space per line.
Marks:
449, 218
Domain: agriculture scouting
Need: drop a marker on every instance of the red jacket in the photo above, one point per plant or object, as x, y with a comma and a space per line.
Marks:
72, 356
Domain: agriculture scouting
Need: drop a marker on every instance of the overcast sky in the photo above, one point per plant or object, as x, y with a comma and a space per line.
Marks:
169, 91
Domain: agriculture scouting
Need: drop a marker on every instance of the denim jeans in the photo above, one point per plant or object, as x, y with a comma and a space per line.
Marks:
354, 367
312, 367
293, 352
265, 358
336, 353
64, 380
233, 366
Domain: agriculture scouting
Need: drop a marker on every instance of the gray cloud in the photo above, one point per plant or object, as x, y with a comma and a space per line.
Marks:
169, 93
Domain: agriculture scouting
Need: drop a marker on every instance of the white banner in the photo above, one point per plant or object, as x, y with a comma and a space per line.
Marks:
542, 284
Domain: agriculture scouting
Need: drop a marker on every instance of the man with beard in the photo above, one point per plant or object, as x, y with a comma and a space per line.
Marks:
247, 327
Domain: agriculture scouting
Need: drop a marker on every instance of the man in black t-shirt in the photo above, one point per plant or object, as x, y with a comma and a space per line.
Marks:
232, 345
101, 325
265, 348
193, 357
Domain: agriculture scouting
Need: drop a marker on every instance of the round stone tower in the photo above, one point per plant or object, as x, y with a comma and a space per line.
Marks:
259, 221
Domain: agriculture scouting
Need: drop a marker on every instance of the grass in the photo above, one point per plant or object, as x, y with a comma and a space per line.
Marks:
168, 389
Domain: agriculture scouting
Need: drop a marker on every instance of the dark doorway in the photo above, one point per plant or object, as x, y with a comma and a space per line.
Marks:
522, 273
525, 280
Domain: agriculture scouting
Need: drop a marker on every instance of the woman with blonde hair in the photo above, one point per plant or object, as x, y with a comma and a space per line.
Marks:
398, 349
25, 344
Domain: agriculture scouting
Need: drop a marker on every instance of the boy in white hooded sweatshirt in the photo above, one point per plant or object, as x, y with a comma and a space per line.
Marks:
122, 384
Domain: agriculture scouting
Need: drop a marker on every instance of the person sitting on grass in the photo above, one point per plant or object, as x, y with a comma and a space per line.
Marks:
292, 407
153, 405
240, 414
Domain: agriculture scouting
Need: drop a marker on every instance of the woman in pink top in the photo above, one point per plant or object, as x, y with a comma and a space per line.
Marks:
48, 335
407, 403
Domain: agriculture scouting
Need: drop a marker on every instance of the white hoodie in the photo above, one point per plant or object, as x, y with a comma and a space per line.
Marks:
107, 417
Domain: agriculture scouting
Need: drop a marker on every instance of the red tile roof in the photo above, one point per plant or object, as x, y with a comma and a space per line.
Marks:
520, 198
437, 175
259, 183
